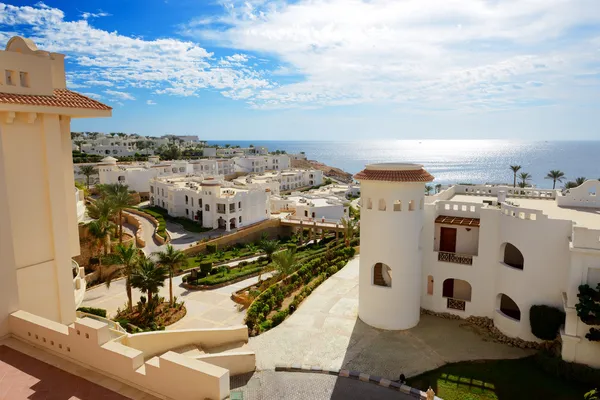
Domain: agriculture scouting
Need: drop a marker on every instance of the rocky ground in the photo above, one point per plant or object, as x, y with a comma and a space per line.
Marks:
331, 172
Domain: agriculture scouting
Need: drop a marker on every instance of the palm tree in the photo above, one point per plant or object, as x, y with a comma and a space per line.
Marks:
269, 247
99, 231
101, 209
285, 262
120, 198
524, 177
579, 181
428, 189
148, 277
556, 176
88, 171
515, 169
171, 259
127, 257
438, 188
349, 230
570, 185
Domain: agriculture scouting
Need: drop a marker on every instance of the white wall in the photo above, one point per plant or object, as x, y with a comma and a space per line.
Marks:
586, 195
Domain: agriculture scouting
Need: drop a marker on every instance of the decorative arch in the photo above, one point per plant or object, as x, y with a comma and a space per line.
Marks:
508, 307
382, 275
456, 289
512, 256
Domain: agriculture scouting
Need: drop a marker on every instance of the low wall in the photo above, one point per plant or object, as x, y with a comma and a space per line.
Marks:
271, 227
139, 241
154, 222
89, 343
153, 343
237, 363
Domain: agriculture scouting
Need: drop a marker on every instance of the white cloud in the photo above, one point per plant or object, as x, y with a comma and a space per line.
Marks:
93, 95
97, 57
88, 15
443, 54
150, 102
119, 95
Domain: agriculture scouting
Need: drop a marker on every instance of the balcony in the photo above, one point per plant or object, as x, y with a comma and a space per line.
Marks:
455, 304
465, 259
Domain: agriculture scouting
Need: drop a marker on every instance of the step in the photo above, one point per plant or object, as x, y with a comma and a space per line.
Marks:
190, 350
227, 348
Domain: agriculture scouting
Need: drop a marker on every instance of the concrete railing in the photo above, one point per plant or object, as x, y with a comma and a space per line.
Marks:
522, 213
90, 343
458, 209
492, 191
586, 238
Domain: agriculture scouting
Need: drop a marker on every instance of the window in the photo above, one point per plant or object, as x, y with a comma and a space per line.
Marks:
306, 213
512, 256
200, 203
239, 204
151, 189
187, 212
430, 285
508, 307
240, 219
411, 205
192, 201
381, 205
313, 214
207, 208
369, 204
382, 275
24, 78
221, 208
456, 289
121, 178
10, 77
186, 199
232, 207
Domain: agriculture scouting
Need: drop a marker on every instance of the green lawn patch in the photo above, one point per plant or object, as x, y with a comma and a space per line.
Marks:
497, 379
224, 274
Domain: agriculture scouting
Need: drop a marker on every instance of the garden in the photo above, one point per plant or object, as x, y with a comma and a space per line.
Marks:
161, 214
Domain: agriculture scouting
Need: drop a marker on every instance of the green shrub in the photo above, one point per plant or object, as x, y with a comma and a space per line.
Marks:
94, 311
206, 267
279, 317
545, 321
569, 371
291, 246
242, 263
211, 248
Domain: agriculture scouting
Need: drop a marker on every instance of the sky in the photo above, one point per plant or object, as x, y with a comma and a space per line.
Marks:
328, 69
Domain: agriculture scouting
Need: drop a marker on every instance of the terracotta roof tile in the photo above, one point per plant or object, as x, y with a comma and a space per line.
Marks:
61, 98
419, 175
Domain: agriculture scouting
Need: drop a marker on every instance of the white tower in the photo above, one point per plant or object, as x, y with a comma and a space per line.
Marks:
391, 221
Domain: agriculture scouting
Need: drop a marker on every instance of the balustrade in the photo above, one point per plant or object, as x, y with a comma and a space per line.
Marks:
456, 304
455, 258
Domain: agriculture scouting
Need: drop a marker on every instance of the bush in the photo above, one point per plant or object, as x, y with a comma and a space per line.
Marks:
205, 267
94, 311
545, 321
291, 246
569, 371
242, 263
211, 248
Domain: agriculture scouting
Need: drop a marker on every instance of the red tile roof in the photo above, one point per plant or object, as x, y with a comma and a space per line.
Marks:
417, 175
443, 219
61, 98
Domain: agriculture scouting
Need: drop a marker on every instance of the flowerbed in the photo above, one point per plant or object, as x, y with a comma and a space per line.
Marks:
267, 310
146, 319
225, 274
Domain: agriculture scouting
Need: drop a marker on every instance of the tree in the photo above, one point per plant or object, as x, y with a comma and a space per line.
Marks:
120, 198
592, 395
580, 181
524, 177
101, 209
570, 185
349, 230
148, 277
285, 262
438, 188
428, 189
515, 169
269, 247
171, 259
141, 145
126, 256
556, 176
99, 232
88, 171
171, 152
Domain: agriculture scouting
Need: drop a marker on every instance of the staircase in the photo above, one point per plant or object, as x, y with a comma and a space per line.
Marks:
378, 276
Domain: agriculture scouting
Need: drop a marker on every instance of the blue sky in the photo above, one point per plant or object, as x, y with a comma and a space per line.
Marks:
328, 69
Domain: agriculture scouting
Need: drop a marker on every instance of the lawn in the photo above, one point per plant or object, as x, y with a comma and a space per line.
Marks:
497, 379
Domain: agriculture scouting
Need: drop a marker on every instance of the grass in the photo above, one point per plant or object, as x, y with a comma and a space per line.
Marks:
230, 274
496, 379
187, 224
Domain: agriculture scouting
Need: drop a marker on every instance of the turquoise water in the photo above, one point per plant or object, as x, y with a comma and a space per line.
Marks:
453, 161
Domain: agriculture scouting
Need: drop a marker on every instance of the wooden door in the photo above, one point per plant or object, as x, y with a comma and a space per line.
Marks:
448, 240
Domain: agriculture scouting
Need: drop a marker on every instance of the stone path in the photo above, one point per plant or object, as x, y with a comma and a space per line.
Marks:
267, 385
326, 331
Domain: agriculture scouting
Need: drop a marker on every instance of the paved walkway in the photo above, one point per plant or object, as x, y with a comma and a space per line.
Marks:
326, 331
267, 385
205, 309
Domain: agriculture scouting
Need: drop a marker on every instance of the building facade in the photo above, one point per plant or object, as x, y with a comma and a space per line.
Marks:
487, 251
259, 164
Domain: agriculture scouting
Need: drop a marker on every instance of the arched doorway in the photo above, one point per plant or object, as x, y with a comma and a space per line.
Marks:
508, 307
382, 275
512, 256
232, 223
457, 292
222, 223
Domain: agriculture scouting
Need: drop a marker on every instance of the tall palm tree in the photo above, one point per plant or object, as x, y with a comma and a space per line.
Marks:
148, 277
285, 262
438, 188
88, 171
428, 189
556, 176
171, 259
524, 177
99, 231
579, 181
126, 256
269, 247
101, 209
349, 230
515, 169
120, 198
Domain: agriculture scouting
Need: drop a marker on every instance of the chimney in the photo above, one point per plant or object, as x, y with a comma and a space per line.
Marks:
501, 196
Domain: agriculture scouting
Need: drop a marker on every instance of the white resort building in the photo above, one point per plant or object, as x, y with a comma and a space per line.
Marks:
258, 164
286, 180
311, 207
212, 202
476, 250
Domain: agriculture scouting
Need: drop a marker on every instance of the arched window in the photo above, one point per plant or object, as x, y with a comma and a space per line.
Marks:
381, 205
382, 275
398, 205
457, 289
186, 199
512, 256
430, 285
369, 204
411, 205
508, 307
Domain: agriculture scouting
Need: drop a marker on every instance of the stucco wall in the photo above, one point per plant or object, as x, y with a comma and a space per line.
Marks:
467, 239
585, 195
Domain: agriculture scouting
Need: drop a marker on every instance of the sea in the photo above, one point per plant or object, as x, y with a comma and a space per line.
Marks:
453, 161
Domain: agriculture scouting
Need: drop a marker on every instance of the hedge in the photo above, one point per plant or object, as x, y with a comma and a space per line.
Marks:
218, 276
162, 225
211, 248
545, 321
94, 311
565, 370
